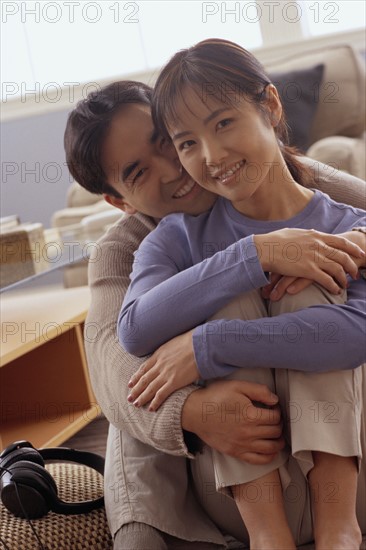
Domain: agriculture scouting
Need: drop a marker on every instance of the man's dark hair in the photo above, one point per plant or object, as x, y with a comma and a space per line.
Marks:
87, 126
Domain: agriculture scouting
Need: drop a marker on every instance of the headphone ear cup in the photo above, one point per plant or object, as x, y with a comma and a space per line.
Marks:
25, 453
35, 486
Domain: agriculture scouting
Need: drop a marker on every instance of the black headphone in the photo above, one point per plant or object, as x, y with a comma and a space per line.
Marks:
29, 491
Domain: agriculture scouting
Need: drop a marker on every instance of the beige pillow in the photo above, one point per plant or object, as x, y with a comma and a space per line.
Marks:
341, 108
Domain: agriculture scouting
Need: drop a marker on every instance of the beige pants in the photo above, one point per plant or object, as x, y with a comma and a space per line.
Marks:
322, 411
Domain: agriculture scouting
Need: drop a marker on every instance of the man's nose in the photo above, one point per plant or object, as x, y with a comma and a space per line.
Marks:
169, 167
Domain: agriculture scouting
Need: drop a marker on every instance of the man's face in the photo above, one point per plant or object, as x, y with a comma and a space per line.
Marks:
145, 170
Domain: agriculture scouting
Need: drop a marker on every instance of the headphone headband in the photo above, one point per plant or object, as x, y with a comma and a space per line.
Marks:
73, 455
92, 460
80, 457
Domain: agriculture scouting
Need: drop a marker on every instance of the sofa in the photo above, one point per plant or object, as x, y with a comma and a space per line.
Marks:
323, 92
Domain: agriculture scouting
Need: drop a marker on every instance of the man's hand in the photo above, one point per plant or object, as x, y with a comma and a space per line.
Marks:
281, 284
170, 368
224, 417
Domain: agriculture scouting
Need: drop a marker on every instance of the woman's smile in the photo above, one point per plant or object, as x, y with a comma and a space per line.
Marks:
230, 175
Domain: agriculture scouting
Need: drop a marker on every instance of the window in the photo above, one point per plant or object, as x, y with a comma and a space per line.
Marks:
47, 46
331, 17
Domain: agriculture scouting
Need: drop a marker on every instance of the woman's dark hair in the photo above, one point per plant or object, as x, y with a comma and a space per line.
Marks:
87, 126
227, 72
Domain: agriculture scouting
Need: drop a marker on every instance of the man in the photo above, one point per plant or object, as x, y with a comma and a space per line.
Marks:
112, 149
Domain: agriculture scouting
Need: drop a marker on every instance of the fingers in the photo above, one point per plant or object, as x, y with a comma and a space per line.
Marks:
342, 243
327, 281
256, 458
298, 285
267, 289
268, 446
262, 452
142, 370
147, 383
267, 432
256, 392
156, 391
339, 258
160, 397
269, 416
281, 287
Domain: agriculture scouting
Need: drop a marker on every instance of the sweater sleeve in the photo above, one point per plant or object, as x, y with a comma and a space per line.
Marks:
162, 284
316, 339
110, 366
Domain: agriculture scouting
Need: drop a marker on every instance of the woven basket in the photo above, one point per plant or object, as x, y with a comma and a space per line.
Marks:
58, 532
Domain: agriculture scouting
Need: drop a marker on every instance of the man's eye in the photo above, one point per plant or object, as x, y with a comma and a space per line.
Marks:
224, 122
139, 174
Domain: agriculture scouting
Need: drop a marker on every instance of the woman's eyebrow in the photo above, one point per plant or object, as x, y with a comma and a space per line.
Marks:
205, 121
214, 114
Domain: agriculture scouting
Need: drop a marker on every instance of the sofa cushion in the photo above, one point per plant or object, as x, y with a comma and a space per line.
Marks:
344, 153
78, 196
299, 93
342, 94
74, 215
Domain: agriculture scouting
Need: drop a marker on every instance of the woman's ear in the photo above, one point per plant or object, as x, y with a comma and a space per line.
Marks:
274, 105
121, 203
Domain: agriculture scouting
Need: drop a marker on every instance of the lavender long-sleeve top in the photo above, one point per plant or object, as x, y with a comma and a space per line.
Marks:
189, 267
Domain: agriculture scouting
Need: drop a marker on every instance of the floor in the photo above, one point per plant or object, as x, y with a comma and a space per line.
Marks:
92, 438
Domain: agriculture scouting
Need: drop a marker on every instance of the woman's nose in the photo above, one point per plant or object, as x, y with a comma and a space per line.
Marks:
213, 154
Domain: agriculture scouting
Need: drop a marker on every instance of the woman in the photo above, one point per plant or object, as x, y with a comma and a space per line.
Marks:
220, 136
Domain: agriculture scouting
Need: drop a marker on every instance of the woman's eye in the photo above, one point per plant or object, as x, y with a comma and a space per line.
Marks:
186, 145
224, 123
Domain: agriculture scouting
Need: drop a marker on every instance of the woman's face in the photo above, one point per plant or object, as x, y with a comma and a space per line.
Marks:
230, 150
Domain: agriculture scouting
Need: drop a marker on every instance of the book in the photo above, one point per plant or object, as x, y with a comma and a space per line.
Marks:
22, 251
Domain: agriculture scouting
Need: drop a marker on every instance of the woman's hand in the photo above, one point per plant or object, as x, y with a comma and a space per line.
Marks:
170, 368
310, 254
281, 284
358, 238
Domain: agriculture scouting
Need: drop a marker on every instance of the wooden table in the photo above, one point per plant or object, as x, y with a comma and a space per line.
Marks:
45, 392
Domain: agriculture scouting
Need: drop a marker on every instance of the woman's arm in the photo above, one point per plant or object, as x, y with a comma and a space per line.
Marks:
169, 296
